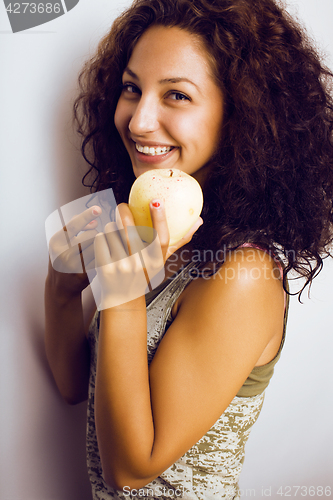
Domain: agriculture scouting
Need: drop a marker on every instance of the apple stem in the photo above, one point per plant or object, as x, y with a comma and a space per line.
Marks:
171, 173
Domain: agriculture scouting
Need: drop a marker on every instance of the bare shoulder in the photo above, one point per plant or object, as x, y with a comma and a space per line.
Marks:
249, 270
246, 289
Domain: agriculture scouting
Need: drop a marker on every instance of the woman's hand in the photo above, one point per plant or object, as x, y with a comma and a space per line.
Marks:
125, 265
160, 224
71, 252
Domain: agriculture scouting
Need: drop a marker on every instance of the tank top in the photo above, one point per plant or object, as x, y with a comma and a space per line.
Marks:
211, 468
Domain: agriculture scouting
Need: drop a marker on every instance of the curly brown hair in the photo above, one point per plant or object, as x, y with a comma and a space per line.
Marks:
271, 181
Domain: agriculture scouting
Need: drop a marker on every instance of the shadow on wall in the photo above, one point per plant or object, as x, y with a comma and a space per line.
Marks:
62, 427
52, 433
54, 430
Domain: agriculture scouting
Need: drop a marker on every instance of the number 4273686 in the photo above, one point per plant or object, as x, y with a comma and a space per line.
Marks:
33, 8
304, 491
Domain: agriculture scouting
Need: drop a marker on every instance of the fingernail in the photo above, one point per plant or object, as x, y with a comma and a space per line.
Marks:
156, 203
96, 211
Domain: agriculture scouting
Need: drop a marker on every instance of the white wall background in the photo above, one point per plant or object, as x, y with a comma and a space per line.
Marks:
42, 450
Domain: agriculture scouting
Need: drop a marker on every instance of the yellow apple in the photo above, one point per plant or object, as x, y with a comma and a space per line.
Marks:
181, 194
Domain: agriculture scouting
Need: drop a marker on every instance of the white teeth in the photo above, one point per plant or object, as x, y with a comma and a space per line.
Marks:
152, 151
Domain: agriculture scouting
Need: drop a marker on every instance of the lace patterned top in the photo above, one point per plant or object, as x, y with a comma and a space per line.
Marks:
211, 468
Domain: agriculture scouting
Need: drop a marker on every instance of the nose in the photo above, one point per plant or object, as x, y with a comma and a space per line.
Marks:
145, 117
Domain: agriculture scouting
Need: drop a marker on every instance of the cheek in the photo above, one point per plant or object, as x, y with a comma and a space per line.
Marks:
212, 125
184, 128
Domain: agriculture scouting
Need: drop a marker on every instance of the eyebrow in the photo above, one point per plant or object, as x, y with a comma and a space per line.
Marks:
164, 80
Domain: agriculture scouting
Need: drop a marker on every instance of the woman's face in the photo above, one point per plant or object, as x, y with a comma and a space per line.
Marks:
170, 111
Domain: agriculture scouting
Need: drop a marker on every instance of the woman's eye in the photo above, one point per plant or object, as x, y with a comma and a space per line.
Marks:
131, 89
178, 96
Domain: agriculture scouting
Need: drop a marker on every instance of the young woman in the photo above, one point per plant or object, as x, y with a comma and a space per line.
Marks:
230, 92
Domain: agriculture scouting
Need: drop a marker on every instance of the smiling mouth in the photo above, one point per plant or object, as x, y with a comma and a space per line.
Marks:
152, 151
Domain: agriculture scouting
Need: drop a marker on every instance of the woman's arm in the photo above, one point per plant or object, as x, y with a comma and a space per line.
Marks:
66, 343
146, 420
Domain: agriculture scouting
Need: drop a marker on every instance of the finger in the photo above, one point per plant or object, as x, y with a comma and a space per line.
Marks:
88, 256
119, 221
91, 225
120, 225
158, 217
129, 235
102, 252
188, 236
115, 243
77, 223
194, 228
84, 239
